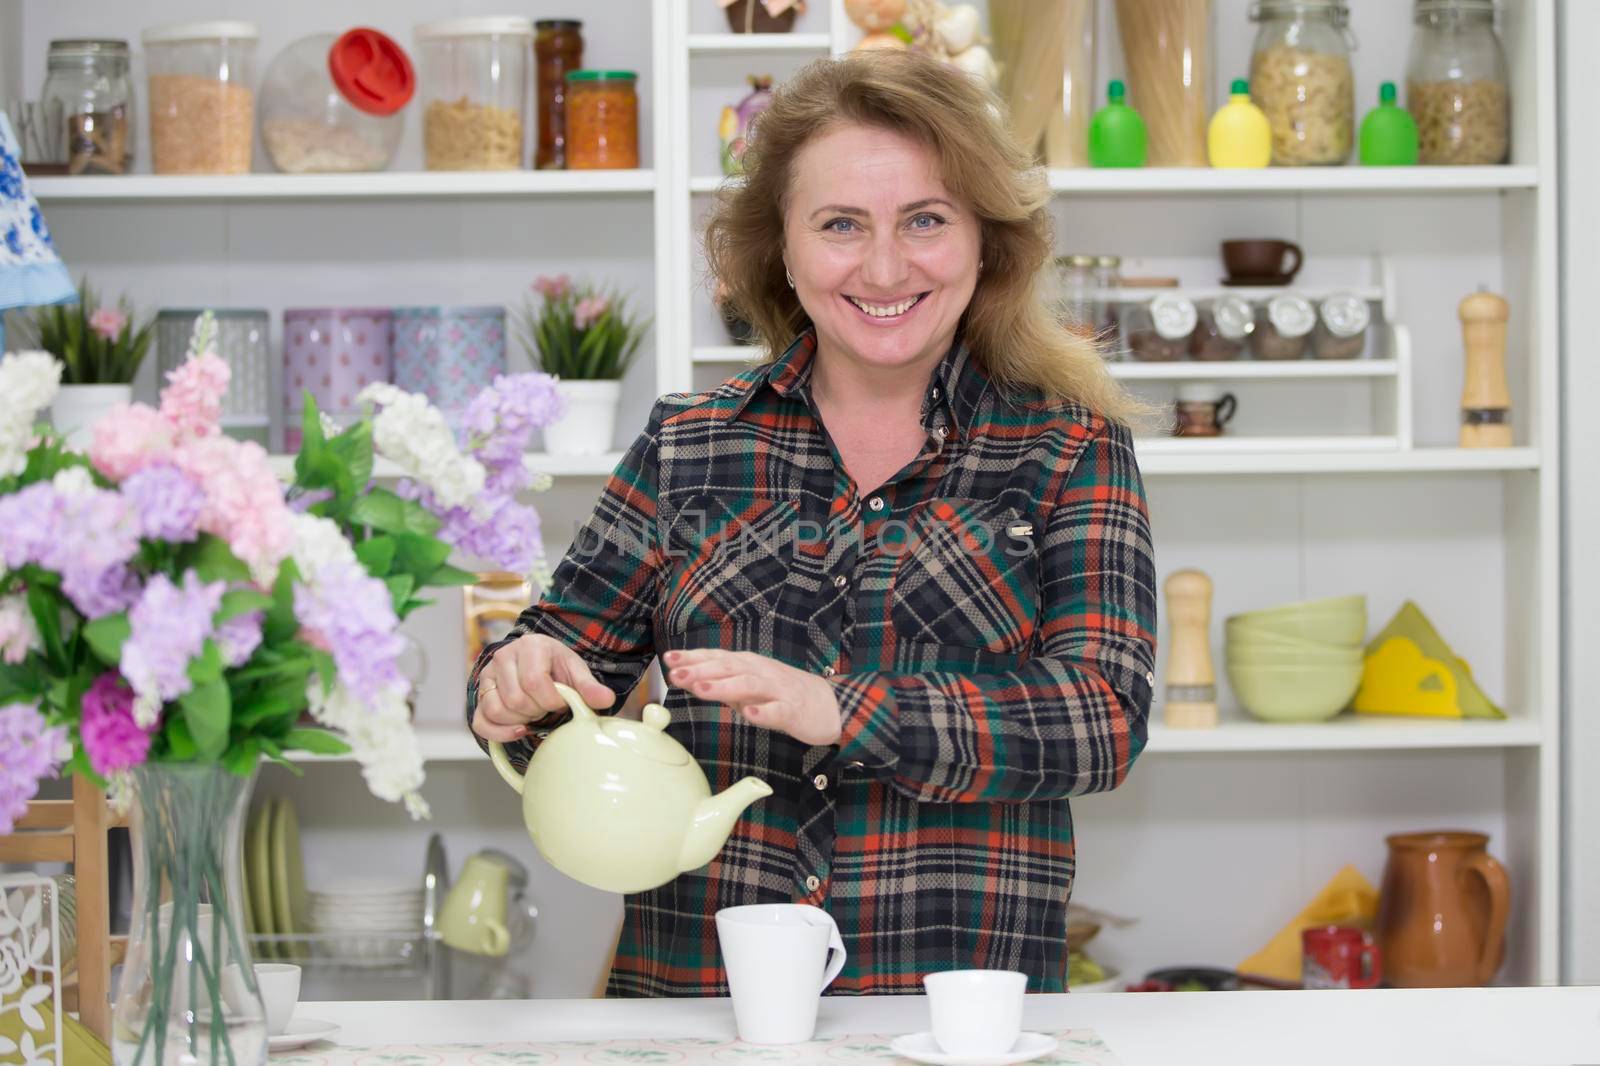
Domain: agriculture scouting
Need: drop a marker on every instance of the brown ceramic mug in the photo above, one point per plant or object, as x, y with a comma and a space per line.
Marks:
1442, 910
1261, 258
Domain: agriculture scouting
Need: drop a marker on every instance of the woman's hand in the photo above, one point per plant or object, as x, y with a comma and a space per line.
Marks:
764, 691
515, 689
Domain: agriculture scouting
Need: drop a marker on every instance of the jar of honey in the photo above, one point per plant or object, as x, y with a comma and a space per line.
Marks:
602, 120
558, 50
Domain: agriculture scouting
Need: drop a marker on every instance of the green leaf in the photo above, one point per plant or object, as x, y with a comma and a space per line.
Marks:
353, 449
23, 682
241, 601
327, 671
212, 560
46, 608
206, 710
107, 635
385, 512
418, 555
447, 575
180, 742
207, 666
242, 758
281, 624
376, 554
400, 588
316, 741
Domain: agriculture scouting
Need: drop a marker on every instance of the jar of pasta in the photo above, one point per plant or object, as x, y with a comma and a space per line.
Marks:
202, 96
1456, 84
475, 83
602, 120
1300, 76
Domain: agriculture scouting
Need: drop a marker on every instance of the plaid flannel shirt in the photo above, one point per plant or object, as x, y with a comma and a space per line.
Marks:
987, 619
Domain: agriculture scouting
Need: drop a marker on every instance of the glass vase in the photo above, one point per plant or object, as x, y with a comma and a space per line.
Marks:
188, 992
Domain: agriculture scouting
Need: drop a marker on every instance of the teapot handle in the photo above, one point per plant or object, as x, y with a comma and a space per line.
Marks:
502, 763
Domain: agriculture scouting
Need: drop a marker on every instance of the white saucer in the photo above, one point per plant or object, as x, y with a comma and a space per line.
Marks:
922, 1047
303, 1031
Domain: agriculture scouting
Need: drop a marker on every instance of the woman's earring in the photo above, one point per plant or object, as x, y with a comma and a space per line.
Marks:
980, 266
788, 277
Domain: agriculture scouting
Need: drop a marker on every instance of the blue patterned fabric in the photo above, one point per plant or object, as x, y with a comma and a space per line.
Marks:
30, 271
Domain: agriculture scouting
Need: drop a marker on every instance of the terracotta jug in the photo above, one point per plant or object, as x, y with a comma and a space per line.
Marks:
1441, 911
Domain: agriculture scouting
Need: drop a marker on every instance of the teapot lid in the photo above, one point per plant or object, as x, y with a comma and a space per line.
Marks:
646, 739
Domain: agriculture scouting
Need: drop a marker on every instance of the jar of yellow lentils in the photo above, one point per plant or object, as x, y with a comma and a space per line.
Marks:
602, 120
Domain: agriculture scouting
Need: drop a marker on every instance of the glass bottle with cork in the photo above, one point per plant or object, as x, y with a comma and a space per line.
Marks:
557, 49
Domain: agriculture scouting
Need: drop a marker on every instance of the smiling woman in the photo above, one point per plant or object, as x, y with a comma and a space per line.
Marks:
901, 571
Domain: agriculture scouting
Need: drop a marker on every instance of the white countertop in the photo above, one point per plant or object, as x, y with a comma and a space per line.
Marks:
1493, 1025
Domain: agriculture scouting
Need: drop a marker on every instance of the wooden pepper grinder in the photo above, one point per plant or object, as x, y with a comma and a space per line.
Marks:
1485, 399
1191, 701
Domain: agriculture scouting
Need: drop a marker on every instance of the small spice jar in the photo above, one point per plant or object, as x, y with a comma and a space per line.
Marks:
1224, 325
1159, 331
602, 120
1341, 329
557, 51
1107, 279
202, 97
89, 81
1284, 329
1075, 285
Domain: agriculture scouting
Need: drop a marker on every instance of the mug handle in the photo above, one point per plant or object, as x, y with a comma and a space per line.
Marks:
836, 952
1371, 965
1499, 885
1226, 408
1299, 257
499, 938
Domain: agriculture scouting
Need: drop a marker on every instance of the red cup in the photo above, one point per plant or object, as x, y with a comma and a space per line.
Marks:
1337, 956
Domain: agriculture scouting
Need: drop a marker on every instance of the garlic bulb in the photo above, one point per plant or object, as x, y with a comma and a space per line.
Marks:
958, 28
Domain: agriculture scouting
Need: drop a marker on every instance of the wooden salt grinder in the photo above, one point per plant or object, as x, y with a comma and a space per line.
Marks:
1191, 680
1485, 399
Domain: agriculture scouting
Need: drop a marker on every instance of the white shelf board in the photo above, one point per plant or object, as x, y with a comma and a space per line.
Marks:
1195, 457
708, 183
555, 465
376, 185
1179, 180
1256, 370
744, 43
1347, 732
738, 354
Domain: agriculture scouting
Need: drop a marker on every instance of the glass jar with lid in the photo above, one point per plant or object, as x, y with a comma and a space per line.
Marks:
1341, 329
1224, 325
88, 80
1300, 75
557, 50
1075, 294
475, 75
1456, 84
1107, 279
602, 120
1284, 328
1159, 331
202, 96
335, 103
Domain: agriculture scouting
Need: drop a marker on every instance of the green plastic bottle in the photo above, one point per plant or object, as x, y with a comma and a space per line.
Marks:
1388, 133
1116, 133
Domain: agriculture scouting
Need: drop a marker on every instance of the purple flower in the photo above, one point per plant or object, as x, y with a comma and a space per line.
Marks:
499, 422
29, 520
111, 738
166, 501
504, 532
29, 752
350, 614
98, 593
239, 637
169, 626
87, 536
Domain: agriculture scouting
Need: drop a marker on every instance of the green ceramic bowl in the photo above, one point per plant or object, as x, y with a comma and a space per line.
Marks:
1305, 693
1342, 628
1336, 604
1316, 655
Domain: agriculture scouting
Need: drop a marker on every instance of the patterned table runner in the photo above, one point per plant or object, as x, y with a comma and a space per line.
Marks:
1078, 1047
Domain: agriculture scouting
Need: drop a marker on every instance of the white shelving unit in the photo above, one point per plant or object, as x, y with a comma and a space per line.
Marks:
1267, 812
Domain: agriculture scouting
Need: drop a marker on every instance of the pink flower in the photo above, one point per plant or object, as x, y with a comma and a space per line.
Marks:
18, 633
192, 400
111, 738
108, 322
553, 288
589, 310
130, 438
244, 499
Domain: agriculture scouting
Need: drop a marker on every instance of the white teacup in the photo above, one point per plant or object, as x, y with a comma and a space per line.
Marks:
779, 957
976, 1012
280, 991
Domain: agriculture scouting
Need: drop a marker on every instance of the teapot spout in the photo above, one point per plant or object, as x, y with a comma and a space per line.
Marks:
713, 821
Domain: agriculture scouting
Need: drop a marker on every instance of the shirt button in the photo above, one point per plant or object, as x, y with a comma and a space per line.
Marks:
1150, 679
940, 431
827, 671
812, 883
935, 392
840, 581
875, 504
821, 781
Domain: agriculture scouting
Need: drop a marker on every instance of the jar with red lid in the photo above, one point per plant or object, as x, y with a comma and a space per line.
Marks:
557, 51
602, 120
336, 104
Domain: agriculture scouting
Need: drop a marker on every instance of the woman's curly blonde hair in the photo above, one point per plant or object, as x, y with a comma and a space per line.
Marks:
1007, 325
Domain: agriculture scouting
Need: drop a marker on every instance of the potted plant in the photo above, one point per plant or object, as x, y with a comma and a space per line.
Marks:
169, 610
586, 339
100, 349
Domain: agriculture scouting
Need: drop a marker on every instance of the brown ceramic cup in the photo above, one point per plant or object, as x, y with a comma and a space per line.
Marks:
1262, 258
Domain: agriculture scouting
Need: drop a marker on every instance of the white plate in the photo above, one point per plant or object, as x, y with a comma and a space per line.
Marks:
921, 1047
300, 1032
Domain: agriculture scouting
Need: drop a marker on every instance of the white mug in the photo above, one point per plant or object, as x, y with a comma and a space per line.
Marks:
976, 1012
779, 958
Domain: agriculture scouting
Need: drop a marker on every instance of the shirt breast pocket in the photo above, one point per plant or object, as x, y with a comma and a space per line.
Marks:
727, 561
968, 575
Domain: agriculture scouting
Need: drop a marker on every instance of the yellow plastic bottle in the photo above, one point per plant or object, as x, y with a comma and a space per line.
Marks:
1239, 135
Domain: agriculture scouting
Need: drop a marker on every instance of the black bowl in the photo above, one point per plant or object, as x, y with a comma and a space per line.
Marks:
1196, 978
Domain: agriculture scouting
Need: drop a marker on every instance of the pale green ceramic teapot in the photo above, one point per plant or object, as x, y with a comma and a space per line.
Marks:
618, 804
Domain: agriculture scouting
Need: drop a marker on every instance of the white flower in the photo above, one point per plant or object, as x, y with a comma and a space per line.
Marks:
413, 434
317, 543
541, 481
146, 709
73, 481
19, 634
28, 383
381, 739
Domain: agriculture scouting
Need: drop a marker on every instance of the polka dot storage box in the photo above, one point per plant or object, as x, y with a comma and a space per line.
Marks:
449, 354
332, 353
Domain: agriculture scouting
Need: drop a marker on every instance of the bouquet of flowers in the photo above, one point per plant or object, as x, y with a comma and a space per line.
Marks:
580, 333
165, 598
